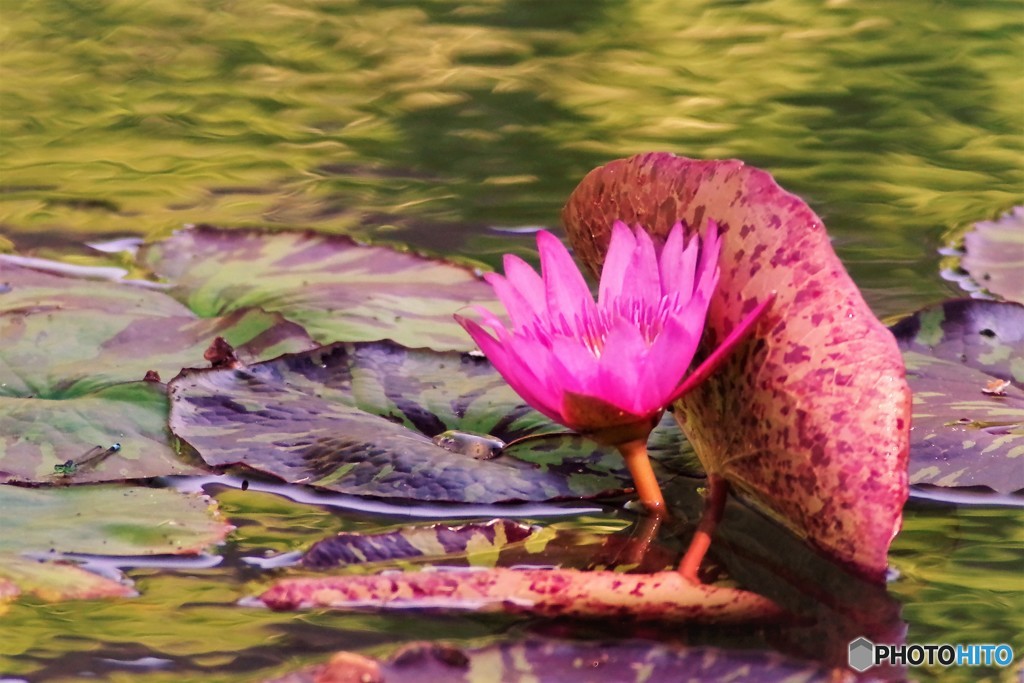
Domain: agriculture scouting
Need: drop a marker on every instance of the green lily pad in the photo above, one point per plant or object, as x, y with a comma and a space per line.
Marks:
965, 364
96, 520
74, 356
359, 419
994, 255
336, 289
38, 434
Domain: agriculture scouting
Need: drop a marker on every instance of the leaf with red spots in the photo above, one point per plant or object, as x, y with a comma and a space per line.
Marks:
809, 418
663, 596
965, 362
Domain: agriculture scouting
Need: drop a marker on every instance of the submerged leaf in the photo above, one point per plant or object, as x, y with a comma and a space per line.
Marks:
96, 520
499, 542
337, 289
965, 363
72, 365
663, 596
359, 419
536, 661
810, 417
434, 541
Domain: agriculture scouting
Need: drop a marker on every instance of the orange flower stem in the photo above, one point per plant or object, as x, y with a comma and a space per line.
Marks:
635, 455
714, 506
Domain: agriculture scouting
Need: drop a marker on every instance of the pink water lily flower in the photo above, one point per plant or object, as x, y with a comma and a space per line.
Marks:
607, 369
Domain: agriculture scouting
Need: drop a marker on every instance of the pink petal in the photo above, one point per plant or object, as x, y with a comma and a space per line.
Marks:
618, 373
711, 363
513, 369
670, 356
573, 365
520, 311
566, 290
643, 280
670, 262
616, 264
683, 278
525, 280
708, 270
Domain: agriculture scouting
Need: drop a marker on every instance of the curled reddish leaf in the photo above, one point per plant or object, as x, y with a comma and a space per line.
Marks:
810, 417
546, 592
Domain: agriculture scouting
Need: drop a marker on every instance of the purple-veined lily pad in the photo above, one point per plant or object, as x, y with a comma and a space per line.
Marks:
433, 541
336, 289
809, 418
662, 596
499, 542
965, 363
96, 520
361, 419
994, 255
74, 355
537, 661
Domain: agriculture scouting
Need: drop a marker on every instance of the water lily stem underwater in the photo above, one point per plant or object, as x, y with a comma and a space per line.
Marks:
714, 506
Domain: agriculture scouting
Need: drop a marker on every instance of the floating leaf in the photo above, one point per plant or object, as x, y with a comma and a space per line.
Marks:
965, 363
358, 418
499, 542
436, 540
994, 255
96, 520
664, 596
337, 289
555, 661
75, 351
38, 434
810, 417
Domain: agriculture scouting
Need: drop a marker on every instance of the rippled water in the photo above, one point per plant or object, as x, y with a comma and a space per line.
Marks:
448, 125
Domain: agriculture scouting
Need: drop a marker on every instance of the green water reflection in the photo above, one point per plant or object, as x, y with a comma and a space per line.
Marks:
432, 122
427, 122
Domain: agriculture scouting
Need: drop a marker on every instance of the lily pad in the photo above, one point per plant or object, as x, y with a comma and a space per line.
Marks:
74, 356
38, 434
359, 419
810, 417
336, 289
503, 542
435, 540
96, 520
662, 596
994, 255
965, 363
539, 661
